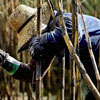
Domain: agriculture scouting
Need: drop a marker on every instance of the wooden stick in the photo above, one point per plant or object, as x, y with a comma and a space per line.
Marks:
74, 55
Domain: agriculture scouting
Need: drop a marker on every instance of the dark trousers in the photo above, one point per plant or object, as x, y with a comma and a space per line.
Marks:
85, 58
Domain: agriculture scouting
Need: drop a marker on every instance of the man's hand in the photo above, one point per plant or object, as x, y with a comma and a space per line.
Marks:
3, 55
35, 48
45, 46
41, 49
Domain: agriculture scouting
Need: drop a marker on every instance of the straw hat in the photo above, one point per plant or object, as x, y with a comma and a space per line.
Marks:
24, 21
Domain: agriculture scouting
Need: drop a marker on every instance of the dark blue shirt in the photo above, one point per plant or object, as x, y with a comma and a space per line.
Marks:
92, 25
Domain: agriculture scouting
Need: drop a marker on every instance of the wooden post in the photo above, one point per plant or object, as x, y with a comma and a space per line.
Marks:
74, 55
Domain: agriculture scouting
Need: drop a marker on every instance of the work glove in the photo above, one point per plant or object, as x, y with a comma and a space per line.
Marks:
35, 48
40, 47
3, 56
9, 63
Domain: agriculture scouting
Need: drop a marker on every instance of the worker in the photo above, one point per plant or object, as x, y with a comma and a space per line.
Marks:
49, 44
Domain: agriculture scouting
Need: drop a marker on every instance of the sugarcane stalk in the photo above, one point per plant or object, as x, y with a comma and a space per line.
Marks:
12, 5
74, 55
62, 68
95, 8
90, 49
98, 86
78, 76
51, 11
96, 14
74, 43
61, 4
16, 3
38, 68
67, 6
49, 84
63, 79
61, 62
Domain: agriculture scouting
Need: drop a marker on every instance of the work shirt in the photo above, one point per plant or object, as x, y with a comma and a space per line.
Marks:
92, 25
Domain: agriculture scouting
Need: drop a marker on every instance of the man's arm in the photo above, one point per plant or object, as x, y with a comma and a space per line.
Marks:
26, 71
17, 69
22, 71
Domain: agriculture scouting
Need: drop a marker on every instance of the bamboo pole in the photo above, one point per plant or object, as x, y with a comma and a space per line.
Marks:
74, 55
38, 68
90, 49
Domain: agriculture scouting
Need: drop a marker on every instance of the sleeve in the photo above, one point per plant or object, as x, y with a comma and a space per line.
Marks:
26, 72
